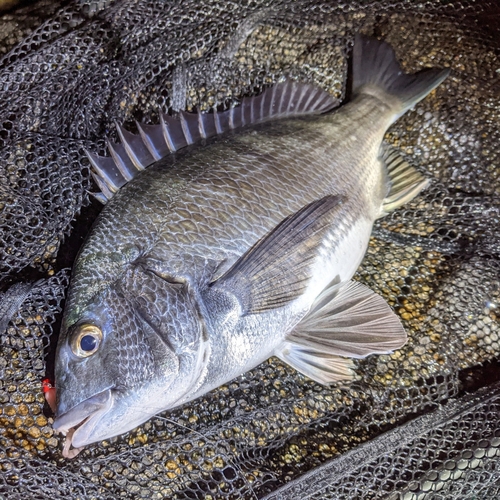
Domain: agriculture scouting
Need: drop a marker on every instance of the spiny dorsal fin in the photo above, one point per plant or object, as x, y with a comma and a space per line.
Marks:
350, 321
406, 181
136, 152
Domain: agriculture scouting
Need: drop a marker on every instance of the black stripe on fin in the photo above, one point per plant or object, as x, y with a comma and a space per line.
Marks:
136, 152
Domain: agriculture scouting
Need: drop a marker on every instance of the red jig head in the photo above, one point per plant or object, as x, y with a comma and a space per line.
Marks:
50, 393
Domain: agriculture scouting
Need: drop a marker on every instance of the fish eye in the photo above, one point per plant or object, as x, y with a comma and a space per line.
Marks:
86, 340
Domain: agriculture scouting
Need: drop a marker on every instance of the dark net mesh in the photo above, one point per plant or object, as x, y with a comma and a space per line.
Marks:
70, 70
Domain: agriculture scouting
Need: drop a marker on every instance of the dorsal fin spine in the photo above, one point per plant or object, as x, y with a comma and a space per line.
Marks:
185, 128
120, 161
231, 118
300, 103
293, 90
166, 134
322, 100
217, 122
308, 101
154, 148
128, 139
240, 111
201, 126
100, 173
108, 193
281, 97
261, 108
101, 197
252, 112
245, 109
272, 106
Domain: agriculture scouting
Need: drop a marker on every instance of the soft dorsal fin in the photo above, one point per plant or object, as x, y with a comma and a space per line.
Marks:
136, 152
405, 180
350, 321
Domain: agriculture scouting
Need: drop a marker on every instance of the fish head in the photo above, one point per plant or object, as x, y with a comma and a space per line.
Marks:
133, 351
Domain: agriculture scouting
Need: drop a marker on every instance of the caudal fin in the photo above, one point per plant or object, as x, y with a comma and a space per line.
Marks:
375, 69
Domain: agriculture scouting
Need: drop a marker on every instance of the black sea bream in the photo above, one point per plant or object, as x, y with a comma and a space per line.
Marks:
220, 255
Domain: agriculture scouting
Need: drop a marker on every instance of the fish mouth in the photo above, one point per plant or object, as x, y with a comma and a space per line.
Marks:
78, 423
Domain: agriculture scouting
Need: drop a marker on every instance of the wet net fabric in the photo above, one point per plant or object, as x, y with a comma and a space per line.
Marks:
406, 428
380, 467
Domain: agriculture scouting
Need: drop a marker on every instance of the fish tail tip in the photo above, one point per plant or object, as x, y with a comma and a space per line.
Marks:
375, 68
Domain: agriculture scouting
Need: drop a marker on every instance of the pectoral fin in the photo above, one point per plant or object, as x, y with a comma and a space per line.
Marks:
351, 321
277, 269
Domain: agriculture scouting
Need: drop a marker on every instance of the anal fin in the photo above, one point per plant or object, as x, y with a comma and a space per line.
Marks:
318, 366
352, 321
406, 181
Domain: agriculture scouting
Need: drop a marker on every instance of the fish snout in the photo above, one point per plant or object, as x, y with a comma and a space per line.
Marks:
90, 407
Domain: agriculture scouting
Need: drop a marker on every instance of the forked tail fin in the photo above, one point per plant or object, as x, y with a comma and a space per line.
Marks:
375, 69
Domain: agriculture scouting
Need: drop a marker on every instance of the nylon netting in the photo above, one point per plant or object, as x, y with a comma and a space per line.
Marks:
69, 70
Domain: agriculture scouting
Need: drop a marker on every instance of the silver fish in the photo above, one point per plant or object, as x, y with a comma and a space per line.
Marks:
217, 257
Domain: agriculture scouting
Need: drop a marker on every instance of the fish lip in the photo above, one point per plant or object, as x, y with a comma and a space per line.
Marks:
84, 416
